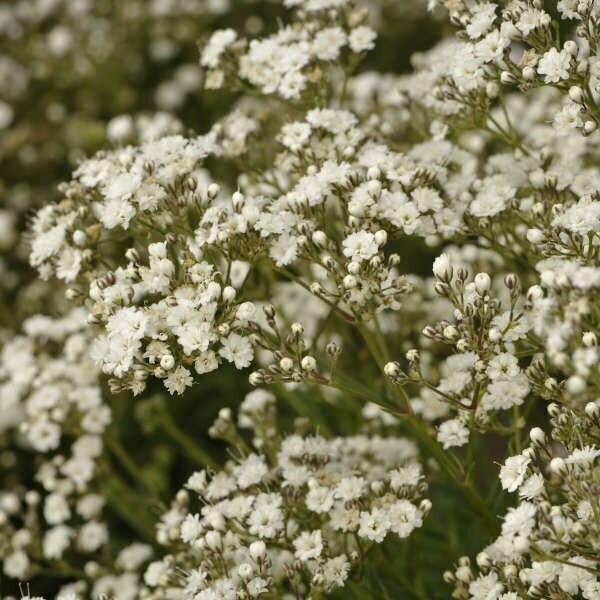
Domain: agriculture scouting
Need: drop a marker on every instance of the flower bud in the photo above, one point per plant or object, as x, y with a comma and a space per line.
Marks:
353, 268
392, 369
510, 571
571, 47
309, 364
286, 364
492, 90
528, 73
319, 238
229, 293
463, 573
535, 292
412, 355
213, 190
483, 560
483, 283
349, 282
535, 236
213, 540
373, 173
589, 339
576, 94
495, 335
381, 237
442, 268
255, 378
558, 466
225, 414
450, 332
575, 385
237, 199
258, 550
167, 362
449, 577
507, 78
79, 238
592, 410
374, 188
537, 436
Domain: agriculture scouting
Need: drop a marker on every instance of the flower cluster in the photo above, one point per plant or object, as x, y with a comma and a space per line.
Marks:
51, 401
291, 63
484, 375
548, 547
519, 45
405, 250
296, 513
161, 304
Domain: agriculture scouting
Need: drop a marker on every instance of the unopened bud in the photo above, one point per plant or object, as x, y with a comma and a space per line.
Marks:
589, 339
308, 364
392, 369
576, 94
483, 283
286, 364
537, 436
558, 466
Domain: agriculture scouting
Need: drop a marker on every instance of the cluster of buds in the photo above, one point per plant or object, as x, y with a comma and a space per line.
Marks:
291, 361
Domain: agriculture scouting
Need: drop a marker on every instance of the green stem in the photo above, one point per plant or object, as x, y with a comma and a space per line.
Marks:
433, 448
127, 463
189, 446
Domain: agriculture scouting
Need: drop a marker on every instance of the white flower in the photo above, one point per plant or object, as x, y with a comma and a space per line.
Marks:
56, 541
374, 525
308, 545
482, 18
251, 471
206, 362
362, 38
92, 536
216, 46
442, 267
16, 565
47, 244
404, 517
237, 349
295, 135
532, 487
453, 433
586, 454
360, 246
486, 587
284, 249
503, 366
319, 499
336, 570
178, 380
350, 488
191, 528
44, 435
512, 473
56, 509
327, 43
554, 65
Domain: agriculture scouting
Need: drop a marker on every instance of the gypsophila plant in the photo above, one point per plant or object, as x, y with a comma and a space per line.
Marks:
300, 299
299, 513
